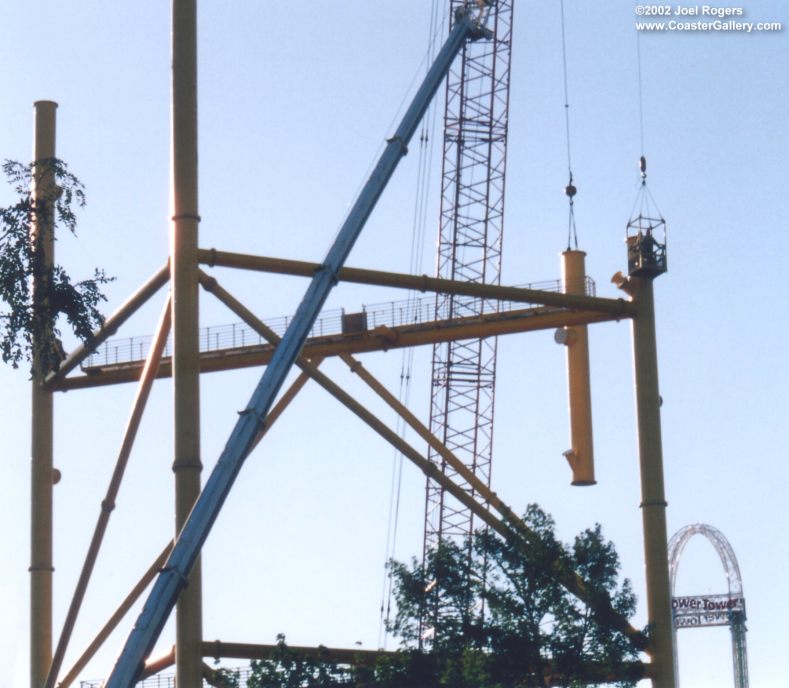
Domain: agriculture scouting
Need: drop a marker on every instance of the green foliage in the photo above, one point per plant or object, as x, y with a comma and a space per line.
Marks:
491, 616
444, 591
482, 614
226, 678
289, 669
20, 265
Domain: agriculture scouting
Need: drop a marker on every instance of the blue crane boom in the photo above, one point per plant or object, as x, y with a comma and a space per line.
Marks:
172, 578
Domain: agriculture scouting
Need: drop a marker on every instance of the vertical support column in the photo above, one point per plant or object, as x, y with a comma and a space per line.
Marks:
184, 284
42, 470
653, 499
738, 648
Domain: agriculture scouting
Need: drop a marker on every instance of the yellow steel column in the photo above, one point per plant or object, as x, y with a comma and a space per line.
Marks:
580, 456
653, 499
185, 323
42, 471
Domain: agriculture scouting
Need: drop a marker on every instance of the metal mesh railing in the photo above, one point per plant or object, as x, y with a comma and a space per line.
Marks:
390, 314
236, 678
240, 677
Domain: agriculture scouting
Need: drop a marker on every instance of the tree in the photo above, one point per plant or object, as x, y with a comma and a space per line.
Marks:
482, 614
489, 615
21, 266
288, 669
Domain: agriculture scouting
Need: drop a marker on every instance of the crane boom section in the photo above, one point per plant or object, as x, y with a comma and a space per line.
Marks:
471, 226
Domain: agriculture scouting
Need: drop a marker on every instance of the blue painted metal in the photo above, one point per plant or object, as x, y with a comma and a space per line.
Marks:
173, 576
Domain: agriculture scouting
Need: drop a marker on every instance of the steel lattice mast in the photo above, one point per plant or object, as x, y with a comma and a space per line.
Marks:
469, 249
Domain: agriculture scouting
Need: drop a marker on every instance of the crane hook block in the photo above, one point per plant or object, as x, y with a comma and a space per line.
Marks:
642, 165
570, 190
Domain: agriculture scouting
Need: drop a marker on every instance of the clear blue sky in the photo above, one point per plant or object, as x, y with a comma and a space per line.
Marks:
295, 100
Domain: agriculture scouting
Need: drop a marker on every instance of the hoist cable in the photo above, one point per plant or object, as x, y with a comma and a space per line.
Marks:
394, 517
644, 202
419, 224
566, 93
640, 97
570, 190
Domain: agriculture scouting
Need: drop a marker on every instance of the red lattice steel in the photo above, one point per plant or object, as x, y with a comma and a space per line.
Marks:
471, 224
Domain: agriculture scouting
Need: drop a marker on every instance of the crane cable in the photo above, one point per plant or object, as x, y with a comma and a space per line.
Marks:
643, 162
570, 190
644, 199
419, 224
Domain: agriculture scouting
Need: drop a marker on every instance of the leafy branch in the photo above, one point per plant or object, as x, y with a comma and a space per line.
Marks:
485, 614
36, 294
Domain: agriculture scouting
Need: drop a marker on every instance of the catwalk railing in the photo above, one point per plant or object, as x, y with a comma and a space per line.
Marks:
238, 679
331, 322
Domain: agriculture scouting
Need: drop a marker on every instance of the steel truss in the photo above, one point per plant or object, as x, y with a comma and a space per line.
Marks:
469, 249
736, 616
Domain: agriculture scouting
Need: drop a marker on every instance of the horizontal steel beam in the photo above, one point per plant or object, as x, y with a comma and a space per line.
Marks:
158, 663
356, 657
376, 339
593, 672
618, 307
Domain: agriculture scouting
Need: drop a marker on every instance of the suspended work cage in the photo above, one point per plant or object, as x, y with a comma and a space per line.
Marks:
646, 234
646, 246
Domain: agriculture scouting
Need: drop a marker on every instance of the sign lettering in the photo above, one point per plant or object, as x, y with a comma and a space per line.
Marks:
705, 610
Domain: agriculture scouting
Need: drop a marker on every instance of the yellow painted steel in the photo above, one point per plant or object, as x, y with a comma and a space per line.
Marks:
574, 583
571, 312
511, 528
272, 417
116, 618
187, 464
44, 192
284, 401
377, 339
108, 503
110, 327
575, 338
616, 307
154, 665
653, 498
357, 657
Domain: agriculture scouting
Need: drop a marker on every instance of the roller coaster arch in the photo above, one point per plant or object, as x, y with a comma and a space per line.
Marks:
698, 611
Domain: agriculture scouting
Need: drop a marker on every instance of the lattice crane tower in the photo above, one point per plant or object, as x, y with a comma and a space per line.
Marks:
469, 249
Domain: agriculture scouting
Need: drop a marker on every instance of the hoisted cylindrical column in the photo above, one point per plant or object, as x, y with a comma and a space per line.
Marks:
575, 338
185, 324
44, 193
653, 499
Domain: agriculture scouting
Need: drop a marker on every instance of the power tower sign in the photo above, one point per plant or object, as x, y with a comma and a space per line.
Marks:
698, 611
705, 610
